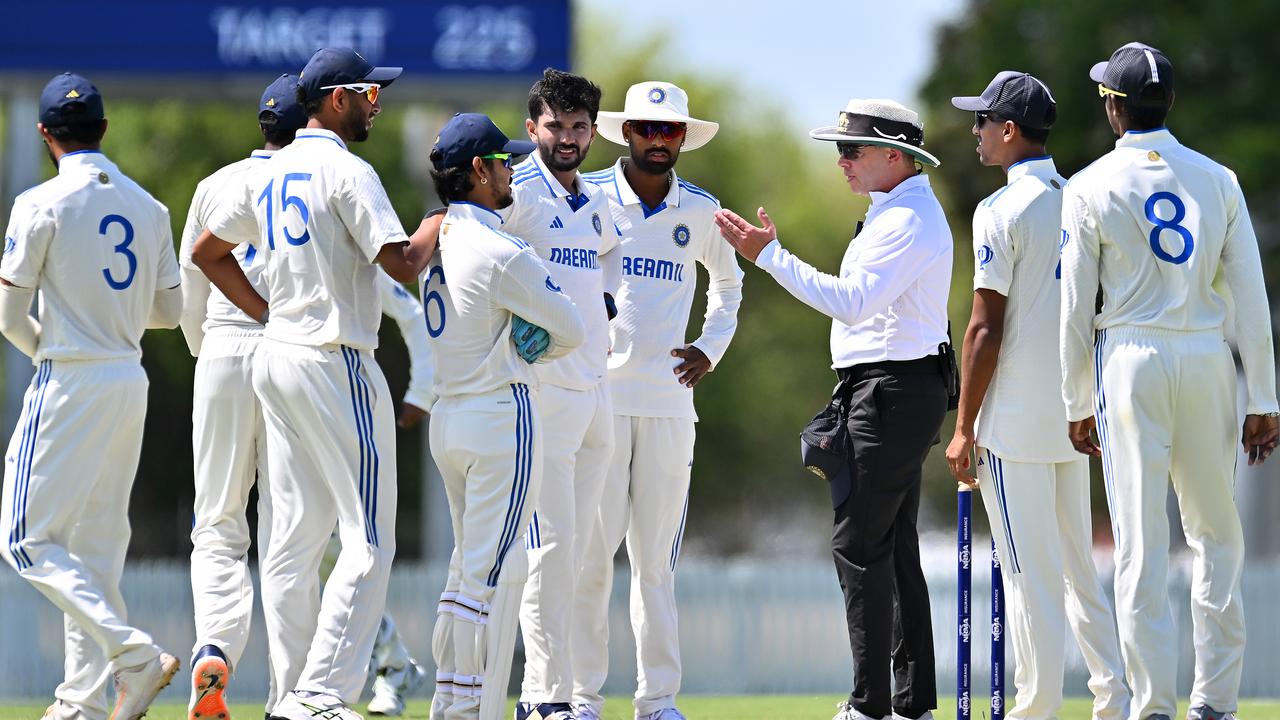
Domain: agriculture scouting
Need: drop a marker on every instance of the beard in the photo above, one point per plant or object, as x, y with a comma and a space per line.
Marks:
504, 199
653, 167
355, 125
554, 162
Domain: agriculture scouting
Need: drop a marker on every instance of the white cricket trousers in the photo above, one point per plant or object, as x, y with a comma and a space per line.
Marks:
228, 441
577, 437
646, 498
1166, 411
1040, 518
64, 514
489, 451
331, 455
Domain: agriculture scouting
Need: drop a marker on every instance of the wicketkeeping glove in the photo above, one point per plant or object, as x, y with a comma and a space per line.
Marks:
530, 340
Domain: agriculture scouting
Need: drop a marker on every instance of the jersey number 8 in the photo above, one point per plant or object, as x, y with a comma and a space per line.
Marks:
1179, 213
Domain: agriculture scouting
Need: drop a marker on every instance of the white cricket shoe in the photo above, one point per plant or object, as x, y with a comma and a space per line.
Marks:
60, 710
138, 686
663, 714
847, 712
585, 711
313, 707
391, 687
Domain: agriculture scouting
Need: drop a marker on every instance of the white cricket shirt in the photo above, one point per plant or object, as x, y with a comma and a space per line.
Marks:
228, 182
890, 300
1016, 233
658, 250
1155, 223
321, 216
574, 234
97, 247
477, 280
404, 308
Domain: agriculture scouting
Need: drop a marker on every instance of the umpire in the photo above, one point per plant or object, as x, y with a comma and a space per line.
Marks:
889, 347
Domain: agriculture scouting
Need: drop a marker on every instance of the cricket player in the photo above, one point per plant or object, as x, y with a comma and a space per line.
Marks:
228, 436
1035, 487
667, 224
99, 250
1154, 223
483, 286
323, 220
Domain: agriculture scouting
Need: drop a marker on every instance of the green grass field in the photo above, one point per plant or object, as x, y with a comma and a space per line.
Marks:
759, 707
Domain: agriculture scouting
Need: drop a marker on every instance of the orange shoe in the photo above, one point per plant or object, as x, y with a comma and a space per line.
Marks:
209, 674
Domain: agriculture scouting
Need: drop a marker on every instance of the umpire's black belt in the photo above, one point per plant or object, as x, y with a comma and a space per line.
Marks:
927, 365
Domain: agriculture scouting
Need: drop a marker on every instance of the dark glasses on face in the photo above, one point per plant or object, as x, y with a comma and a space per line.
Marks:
650, 129
980, 118
848, 150
503, 156
369, 90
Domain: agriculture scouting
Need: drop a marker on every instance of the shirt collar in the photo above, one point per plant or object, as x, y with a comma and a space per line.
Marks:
1158, 137
470, 211
627, 196
80, 159
262, 154
920, 181
1041, 167
319, 133
553, 185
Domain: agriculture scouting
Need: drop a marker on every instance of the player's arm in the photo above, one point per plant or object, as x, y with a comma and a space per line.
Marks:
1242, 268
27, 240
524, 286
196, 288
1081, 251
411, 319
213, 256
166, 304
16, 322
724, 297
611, 262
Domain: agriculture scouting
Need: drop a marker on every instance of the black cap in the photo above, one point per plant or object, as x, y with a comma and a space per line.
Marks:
69, 98
1141, 72
470, 135
1017, 96
341, 66
280, 99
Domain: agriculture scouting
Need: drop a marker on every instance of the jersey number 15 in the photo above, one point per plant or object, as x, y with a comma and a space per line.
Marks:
286, 201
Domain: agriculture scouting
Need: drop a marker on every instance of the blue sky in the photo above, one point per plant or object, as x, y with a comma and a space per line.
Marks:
811, 56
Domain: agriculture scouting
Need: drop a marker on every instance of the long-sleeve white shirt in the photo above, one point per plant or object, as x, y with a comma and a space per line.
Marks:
1155, 224
405, 309
659, 248
889, 301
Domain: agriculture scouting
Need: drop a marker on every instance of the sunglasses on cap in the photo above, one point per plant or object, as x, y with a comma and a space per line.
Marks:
650, 129
848, 150
1104, 91
369, 90
505, 157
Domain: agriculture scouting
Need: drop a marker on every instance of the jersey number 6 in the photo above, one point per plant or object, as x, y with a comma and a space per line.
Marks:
1179, 212
433, 296
120, 249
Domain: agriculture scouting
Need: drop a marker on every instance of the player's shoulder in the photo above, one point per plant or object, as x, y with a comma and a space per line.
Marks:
691, 193
526, 175
603, 179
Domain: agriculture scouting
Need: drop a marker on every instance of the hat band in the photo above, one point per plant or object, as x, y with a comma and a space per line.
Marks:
858, 125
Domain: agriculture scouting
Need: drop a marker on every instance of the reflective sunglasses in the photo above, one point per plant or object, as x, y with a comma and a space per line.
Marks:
848, 150
981, 117
505, 157
1104, 91
649, 129
369, 90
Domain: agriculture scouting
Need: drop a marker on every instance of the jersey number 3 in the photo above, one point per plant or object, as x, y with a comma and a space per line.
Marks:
1179, 213
121, 249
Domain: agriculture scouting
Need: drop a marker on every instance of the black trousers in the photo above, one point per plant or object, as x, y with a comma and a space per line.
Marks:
895, 414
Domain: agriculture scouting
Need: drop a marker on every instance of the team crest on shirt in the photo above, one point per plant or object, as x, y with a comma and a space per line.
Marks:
680, 235
657, 96
10, 244
985, 255
595, 223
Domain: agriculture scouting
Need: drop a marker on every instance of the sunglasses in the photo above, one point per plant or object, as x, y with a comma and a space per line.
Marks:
369, 90
505, 157
1104, 91
981, 117
650, 129
848, 150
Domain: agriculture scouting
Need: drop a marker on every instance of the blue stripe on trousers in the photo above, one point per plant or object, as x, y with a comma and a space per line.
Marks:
1104, 432
359, 406
371, 510
26, 455
997, 472
520, 483
675, 544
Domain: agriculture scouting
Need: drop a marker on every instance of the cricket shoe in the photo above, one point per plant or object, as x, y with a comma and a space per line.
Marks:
138, 686
663, 714
1204, 712
391, 686
544, 711
847, 712
313, 706
60, 710
209, 673
585, 711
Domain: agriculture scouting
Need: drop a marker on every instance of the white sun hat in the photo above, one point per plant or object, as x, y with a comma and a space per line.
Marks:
880, 122
656, 101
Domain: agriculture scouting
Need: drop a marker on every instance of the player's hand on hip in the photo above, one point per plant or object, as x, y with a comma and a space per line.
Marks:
1259, 437
531, 341
1080, 432
695, 366
746, 238
410, 416
958, 458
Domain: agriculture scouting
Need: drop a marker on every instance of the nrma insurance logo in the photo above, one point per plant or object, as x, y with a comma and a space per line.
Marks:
966, 559
965, 631
964, 703
985, 255
997, 703
997, 629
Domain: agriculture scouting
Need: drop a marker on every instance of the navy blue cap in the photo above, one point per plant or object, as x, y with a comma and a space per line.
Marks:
341, 66
1017, 96
70, 98
281, 100
470, 135
1140, 71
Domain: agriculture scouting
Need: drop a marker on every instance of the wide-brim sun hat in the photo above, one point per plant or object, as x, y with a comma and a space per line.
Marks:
656, 101
885, 123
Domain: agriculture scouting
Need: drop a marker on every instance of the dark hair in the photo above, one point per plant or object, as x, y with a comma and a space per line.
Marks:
1035, 135
268, 122
84, 132
1144, 117
452, 183
310, 107
563, 92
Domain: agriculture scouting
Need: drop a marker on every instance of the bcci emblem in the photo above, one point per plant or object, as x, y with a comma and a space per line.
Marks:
657, 96
595, 223
985, 255
680, 235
